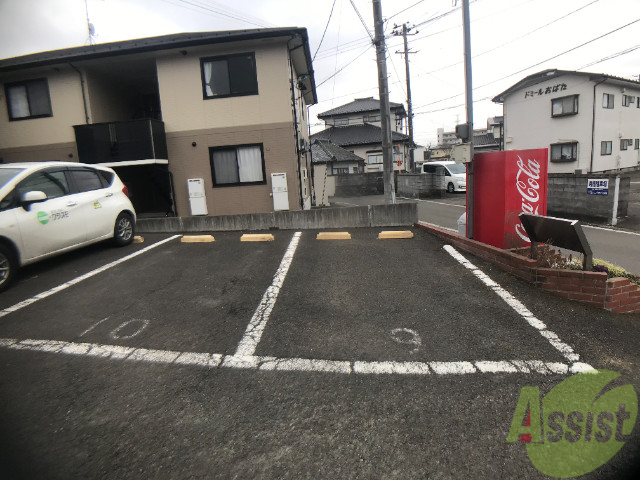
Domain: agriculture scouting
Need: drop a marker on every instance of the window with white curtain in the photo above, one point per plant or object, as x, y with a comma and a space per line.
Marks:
237, 165
29, 99
229, 76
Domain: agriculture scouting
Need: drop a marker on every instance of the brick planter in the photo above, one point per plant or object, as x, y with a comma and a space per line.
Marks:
619, 295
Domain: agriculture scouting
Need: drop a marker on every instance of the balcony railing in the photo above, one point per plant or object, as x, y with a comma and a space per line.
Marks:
121, 141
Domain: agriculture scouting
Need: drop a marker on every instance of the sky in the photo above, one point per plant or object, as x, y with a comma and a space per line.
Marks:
510, 39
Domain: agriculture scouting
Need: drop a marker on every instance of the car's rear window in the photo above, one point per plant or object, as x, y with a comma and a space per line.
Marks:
86, 179
107, 177
7, 174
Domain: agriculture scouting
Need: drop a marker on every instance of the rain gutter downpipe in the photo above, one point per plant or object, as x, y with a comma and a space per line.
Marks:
84, 95
593, 122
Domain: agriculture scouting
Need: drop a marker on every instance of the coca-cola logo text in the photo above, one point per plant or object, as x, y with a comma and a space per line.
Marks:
529, 189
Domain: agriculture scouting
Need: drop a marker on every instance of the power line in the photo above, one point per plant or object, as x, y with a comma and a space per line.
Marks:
404, 10
325, 31
609, 57
343, 67
217, 13
362, 20
563, 53
539, 63
452, 107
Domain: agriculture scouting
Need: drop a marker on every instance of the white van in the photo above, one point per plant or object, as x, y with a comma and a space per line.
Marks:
455, 174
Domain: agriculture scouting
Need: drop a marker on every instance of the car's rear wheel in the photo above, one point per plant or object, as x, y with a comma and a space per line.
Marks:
124, 230
451, 188
8, 267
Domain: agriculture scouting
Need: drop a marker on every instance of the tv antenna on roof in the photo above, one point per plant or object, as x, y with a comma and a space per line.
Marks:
90, 27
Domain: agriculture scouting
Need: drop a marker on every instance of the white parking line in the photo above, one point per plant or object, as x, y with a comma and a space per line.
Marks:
252, 362
434, 201
70, 283
253, 333
514, 303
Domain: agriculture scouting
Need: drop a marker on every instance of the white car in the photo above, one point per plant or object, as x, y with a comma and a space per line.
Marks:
53, 207
455, 174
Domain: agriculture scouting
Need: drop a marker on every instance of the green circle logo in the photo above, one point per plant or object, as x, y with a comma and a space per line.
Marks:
580, 425
43, 217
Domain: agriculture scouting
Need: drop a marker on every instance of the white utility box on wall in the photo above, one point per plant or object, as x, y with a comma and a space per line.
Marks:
280, 191
197, 198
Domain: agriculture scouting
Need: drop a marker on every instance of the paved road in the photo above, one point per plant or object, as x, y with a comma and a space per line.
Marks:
296, 358
620, 246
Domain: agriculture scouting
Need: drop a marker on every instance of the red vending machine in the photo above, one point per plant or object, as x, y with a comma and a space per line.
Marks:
506, 184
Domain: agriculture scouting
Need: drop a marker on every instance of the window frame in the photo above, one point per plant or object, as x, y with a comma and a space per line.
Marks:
610, 104
47, 172
217, 58
625, 143
565, 114
76, 186
375, 154
574, 146
24, 83
628, 100
236, 147
603, 143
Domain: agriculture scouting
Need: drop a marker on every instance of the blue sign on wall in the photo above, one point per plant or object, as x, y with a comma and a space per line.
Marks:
598, 186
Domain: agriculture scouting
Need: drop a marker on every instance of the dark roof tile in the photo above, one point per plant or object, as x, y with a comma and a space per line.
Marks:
323, 151
356, 135
360, 105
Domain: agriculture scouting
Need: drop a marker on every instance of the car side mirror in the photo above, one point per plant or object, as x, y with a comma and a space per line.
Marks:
29, 198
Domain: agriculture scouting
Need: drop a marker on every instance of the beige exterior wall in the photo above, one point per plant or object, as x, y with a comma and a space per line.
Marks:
181, 95
107, 101
54, 132
266, 118
59, 152
186, 161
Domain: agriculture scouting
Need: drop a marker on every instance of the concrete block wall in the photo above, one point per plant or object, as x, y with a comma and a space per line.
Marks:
617, 295
567, 195
420, 185
359, 184
400, 214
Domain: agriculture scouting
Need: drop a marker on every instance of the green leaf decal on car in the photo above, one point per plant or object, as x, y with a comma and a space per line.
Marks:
43, 217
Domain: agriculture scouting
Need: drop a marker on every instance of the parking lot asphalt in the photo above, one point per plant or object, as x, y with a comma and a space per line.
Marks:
296, 358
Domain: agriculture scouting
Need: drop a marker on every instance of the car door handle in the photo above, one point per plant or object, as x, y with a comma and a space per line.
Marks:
72, 204
109, 195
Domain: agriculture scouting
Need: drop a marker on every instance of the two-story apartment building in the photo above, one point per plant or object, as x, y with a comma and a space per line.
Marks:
356, 127
589, 122
225, 107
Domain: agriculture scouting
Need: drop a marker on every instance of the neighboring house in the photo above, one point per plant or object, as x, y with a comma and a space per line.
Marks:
226, 107
485, 142
589, 122
356, 127
484, 139
439, 152
328, 161
337, 160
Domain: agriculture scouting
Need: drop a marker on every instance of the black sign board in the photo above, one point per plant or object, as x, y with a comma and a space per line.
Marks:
558, 232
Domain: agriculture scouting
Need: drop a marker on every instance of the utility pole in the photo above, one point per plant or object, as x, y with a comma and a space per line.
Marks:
468, 87
406, 53
385, 110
